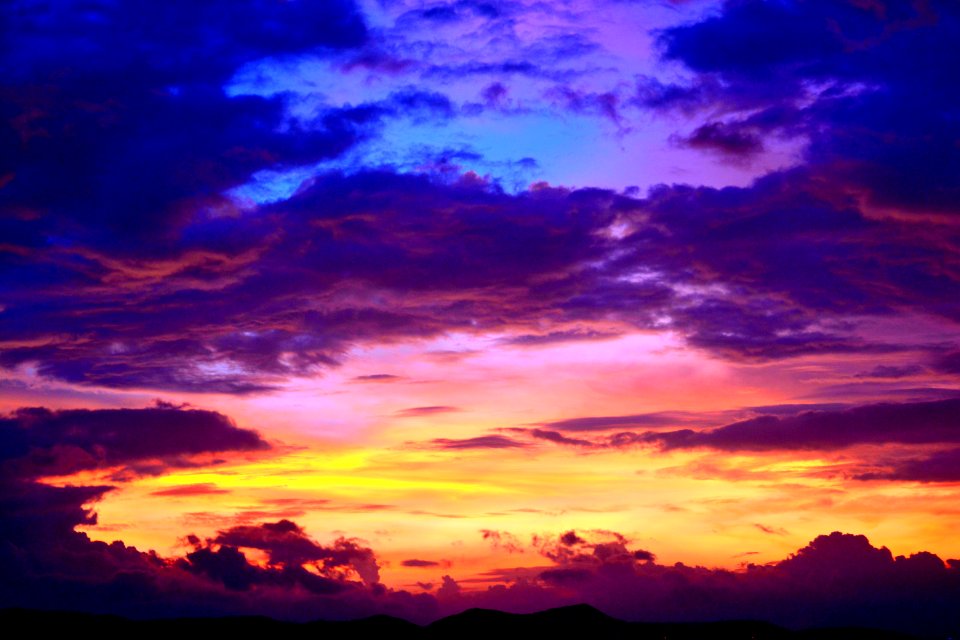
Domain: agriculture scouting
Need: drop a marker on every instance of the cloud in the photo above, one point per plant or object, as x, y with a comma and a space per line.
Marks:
151, 78
587, 549
502, 540
55, 566
571, 538
419, 563
554, 337
565, 576
377, 377
948, 363
201, 489
904, 423
940, 466
42, 442
784, 267
836, 580
605, 423
559, 438
771, 271
725, 138
775, 531
479, 442
413, 412
893, 372
287, 544
836, 74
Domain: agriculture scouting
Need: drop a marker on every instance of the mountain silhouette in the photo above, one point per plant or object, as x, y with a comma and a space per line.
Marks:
581, 622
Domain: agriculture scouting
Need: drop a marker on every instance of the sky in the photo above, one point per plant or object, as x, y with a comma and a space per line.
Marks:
330, 309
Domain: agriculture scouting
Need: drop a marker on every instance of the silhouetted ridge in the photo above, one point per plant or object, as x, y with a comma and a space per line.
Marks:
564, 622
578, 622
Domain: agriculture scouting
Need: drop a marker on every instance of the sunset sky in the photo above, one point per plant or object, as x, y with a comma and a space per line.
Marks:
334, 308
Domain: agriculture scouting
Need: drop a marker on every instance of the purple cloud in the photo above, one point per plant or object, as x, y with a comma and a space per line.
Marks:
558, 438
378, 377
479, 442
727, 139
904, 423
877, 123
941, 466
604, 423
414, 412
287, 544
38, 441
414, 562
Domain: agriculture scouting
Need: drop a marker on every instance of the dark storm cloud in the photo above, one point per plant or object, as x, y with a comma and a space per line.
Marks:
881, 116
37, 442
115, 117
118, 136
195, 294
281, 286
765, 267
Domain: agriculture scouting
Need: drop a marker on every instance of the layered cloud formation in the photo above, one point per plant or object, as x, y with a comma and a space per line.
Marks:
776, 269
228, 204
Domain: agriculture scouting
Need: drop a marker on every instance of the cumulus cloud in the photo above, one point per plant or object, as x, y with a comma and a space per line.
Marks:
838, 579
287, 544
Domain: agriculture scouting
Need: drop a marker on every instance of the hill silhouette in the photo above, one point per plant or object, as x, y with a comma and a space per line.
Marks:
578, 621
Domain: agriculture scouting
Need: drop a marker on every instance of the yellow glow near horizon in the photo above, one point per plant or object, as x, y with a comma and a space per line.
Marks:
350, 458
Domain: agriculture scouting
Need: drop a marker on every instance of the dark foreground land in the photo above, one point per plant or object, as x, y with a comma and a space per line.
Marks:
581, 622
